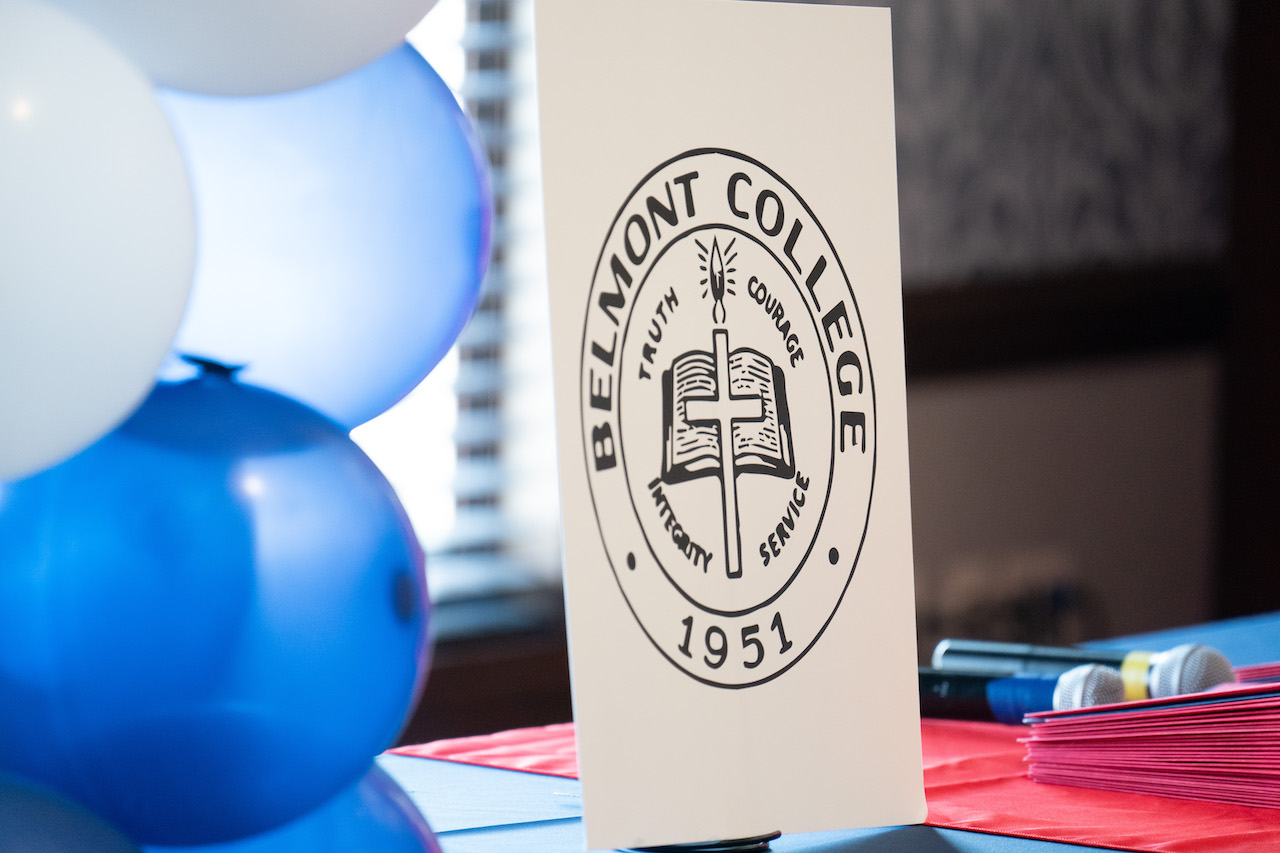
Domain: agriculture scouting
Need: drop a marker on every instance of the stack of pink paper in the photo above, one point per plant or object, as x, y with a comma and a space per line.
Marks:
1222, 746
1258, 672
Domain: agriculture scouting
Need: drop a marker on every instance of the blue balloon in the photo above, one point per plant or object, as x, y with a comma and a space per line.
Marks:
373, 816
38, 821
343, 232
210, 620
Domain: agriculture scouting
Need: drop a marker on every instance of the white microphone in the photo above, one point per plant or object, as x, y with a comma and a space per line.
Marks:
1188, 668
1007, 698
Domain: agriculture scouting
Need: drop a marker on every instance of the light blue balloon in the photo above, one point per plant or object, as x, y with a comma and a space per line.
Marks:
210, 620
343, 232
373, 816
38, 821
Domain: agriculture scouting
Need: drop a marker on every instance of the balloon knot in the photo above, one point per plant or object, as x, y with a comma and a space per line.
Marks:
209, 367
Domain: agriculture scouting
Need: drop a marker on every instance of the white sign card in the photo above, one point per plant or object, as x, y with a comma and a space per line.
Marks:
722, 239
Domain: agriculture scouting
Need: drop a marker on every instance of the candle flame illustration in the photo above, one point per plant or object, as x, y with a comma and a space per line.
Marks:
715, 271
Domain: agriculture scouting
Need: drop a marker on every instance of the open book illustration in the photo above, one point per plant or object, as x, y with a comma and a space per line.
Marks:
761, 433
696, 416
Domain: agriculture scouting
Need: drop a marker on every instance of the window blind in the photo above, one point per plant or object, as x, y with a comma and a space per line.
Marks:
475, 463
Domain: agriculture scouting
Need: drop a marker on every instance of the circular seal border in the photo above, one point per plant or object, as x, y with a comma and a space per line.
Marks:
869, 372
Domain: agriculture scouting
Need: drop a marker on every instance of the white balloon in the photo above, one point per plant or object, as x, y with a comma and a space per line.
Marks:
251, 47
97, 237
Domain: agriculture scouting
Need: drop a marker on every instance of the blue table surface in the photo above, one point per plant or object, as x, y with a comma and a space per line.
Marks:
484, 810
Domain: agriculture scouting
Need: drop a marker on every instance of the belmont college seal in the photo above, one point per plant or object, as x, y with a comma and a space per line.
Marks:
728, 417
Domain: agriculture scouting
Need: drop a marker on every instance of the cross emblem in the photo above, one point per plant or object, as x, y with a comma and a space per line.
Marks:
723, 411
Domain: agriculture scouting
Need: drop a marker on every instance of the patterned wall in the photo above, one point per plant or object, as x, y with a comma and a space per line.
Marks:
1059, 134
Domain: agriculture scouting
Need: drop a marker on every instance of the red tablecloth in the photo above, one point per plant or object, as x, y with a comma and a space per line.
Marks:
974, 778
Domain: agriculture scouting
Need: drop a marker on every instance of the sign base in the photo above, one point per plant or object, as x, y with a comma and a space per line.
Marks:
735, 845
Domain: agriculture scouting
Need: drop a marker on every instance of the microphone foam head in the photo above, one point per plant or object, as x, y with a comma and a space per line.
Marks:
1189, 668
1088, 685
